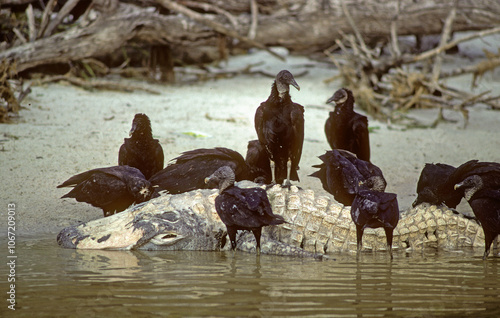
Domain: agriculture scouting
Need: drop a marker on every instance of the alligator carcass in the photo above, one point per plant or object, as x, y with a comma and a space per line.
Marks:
317, 225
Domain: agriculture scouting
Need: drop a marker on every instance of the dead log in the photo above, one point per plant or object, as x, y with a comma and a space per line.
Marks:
301, 26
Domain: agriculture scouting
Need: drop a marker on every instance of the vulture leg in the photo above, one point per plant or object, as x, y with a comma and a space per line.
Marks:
359, 236
273, 171
257, 233
488, 239
388, 234
287, 182
231, 231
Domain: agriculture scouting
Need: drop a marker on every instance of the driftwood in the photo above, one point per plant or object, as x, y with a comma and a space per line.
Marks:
78, 31
301, 26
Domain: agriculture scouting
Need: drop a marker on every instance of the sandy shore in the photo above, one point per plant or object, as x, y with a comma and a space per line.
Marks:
65, 130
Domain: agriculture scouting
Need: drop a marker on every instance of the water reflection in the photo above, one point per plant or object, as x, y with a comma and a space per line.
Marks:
58, 282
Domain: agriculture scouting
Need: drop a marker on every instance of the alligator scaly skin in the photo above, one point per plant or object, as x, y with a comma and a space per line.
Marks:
316, 225
322, 225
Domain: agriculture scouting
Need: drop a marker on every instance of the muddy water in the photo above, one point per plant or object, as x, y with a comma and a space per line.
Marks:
56, 282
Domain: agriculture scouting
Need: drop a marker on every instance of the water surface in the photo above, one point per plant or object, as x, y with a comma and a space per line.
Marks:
56, 282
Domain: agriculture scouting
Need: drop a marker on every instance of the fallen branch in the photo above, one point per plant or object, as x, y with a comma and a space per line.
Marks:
171, 5
97, 84
477, 70
452, 44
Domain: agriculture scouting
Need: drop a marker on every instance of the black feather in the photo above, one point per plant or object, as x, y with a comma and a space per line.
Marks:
141, 150
258, 163
341, 174
188, 171
113, 189
346, 129
430, 186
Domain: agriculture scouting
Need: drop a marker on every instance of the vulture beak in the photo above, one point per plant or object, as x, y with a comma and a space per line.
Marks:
339, 97
294, 84
331, 100
132, 130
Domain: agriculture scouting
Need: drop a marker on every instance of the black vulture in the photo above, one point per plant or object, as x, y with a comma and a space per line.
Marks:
488, 171
279, 123
113, 189
190, 168
437, 181
242, 209
141, 150
430, 186
341, 172
375, 209
485, 203
346, 129
258, 163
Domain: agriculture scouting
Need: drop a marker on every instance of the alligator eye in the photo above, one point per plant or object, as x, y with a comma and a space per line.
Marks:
167, 236
171, 216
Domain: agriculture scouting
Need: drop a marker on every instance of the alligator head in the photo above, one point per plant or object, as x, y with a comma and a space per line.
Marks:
164, 223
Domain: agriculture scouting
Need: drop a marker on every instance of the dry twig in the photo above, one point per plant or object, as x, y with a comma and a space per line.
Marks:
428, 54
49, 7
65, 10
31, 23
383, 87
254, 10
